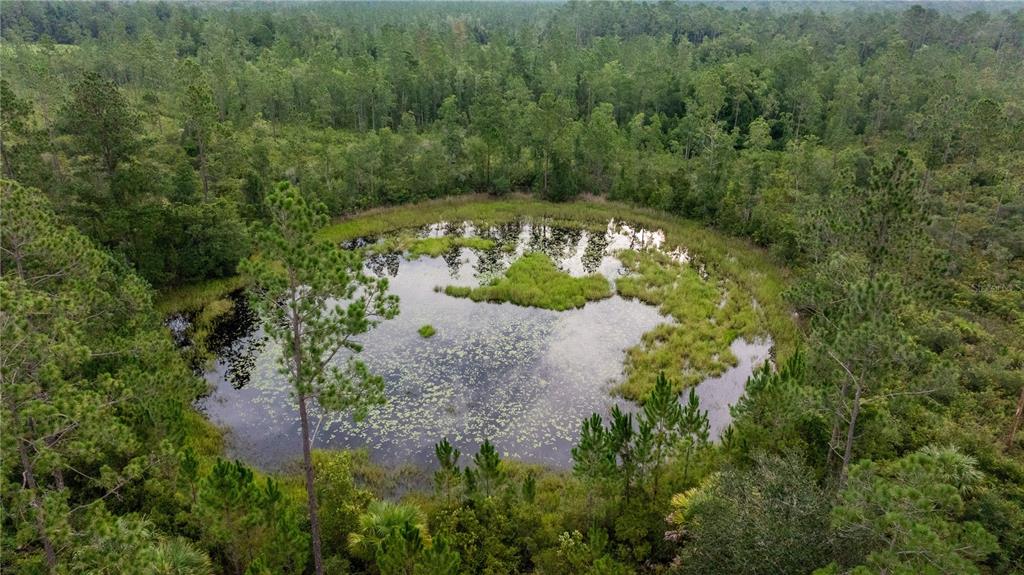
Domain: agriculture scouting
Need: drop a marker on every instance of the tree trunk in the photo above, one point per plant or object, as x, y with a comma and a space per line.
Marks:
656, 472
545, 173
58, 173
850, 431
314, 518
686, 464
836, 422
487, 168
1016, 420
37, 505
202, 169
307, 455
7, 171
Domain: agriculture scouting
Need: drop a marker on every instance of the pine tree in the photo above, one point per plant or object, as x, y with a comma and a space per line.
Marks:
315, 300
15, 115
90, 380
529, 489
438, 559
593, 459
890, 220
200, 123
102, 120
627, 449
488, 476
908, 515
694, 429
448, 477
661, 421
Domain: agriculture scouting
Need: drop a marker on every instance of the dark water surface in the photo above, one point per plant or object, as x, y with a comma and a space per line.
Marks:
522, 377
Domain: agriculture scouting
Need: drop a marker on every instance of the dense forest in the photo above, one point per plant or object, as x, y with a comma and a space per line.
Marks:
873, 152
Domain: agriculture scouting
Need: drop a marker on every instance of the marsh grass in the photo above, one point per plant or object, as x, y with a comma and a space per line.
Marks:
434, 247
431, 247
480, 209
534, 280
709, 314
214, 310
195, 297
201, 327
427, 331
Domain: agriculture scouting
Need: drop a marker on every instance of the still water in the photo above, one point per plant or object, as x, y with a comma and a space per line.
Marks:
522, 377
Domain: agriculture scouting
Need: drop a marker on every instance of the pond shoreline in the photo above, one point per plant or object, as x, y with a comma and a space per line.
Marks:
585, 217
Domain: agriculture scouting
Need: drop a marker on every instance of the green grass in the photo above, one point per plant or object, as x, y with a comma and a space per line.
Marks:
208, 301
435, 247
709, 313
430, 247
196, 297
535, 281
477, 208
427, 331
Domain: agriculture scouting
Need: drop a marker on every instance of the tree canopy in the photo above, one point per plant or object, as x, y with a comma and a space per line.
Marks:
874, 151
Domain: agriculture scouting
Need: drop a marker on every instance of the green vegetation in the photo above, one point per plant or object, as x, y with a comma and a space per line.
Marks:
742, 267
431, 247
434, 247
294, 278
92, 387
534, 280
709, 314
861, 168
482, 209
427, 331
196, 296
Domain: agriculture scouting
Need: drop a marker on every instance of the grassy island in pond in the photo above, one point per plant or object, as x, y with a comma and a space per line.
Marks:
535, 281
430, 247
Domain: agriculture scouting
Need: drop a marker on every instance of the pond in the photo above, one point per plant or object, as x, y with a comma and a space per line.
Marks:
523, 377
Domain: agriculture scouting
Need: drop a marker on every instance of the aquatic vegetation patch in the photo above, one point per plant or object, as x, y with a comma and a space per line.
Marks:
709, 314
195, 329
431, 247
195, 297
535, 281
427, 331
